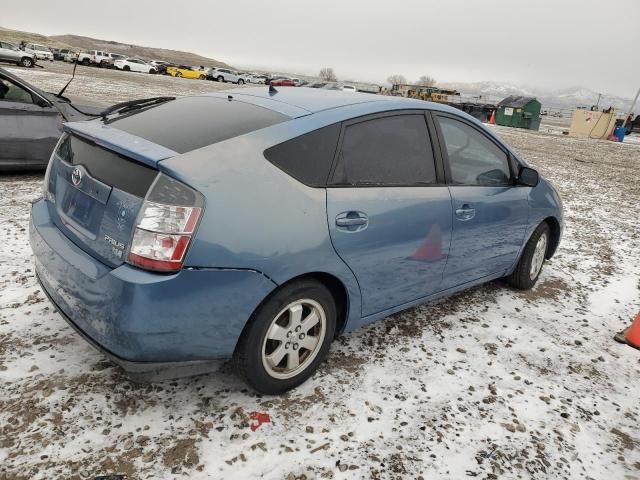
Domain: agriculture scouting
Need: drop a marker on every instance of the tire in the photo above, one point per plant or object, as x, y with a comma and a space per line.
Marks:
220, 78
178, 74
202, 77
26, 62
152, 71
85, 62
273, 318
528, 269
240, 81
126, 68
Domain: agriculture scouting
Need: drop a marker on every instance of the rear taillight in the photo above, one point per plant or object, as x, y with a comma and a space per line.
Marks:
164, 230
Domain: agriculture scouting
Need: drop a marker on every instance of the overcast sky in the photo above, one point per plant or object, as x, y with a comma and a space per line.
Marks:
545, 43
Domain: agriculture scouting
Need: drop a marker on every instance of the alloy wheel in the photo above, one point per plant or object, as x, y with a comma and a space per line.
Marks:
294, 338
538, 257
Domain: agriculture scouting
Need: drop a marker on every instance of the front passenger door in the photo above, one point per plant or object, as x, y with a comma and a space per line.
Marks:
29, 126
490, 212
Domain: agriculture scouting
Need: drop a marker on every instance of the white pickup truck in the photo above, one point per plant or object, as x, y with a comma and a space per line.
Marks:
98, 58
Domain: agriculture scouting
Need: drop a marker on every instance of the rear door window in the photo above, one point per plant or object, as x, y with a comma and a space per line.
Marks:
387, 151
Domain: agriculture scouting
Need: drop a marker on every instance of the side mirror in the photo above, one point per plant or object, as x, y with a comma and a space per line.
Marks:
528, 177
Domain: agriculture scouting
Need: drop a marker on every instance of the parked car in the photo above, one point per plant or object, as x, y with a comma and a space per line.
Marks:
256, 79
32, 122
204, 220
282, 82
98, 58
349, 88
161, 66
134, 65
116, 56
12, 54
71, 57
225, 75
60, 53
40, 51
186, 72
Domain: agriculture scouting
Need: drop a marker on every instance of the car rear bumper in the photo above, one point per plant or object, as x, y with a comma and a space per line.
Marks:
145, 322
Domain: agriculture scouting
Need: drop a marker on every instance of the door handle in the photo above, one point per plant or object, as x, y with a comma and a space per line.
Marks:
350, 222
465, 213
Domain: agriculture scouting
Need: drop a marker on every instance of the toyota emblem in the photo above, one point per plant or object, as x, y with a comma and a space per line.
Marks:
76, 176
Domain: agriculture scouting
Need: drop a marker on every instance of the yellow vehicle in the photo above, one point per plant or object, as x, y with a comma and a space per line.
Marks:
186, 72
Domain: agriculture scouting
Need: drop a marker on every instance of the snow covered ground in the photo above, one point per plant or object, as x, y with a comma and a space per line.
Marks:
491, 383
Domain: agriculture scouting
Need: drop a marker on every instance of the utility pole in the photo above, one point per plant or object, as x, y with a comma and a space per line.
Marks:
598, 102
633, 104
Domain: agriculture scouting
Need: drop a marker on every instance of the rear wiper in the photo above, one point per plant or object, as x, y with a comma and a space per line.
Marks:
134, 105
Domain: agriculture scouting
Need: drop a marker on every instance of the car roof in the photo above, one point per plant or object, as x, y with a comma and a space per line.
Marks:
300, 101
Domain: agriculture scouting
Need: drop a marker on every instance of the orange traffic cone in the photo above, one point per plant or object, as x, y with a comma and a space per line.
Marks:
630, 336
492, 119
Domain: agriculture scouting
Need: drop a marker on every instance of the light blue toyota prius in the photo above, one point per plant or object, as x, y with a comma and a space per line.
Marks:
257, 224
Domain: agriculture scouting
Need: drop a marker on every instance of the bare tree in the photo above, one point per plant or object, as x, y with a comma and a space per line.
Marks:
426, 81
396, 79
328, 75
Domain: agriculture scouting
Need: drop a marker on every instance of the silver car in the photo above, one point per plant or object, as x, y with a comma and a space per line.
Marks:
12, 54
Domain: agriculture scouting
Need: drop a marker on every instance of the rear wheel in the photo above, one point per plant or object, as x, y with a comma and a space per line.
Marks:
220, 78
202, 77
240, 81
533, 256
126, 68
178, 74
26, 62
85, 62
287, 337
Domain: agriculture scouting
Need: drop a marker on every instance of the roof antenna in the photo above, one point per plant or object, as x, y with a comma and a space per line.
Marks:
75, 65
272, 90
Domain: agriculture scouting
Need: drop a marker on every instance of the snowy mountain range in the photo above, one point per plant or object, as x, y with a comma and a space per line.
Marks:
566, 98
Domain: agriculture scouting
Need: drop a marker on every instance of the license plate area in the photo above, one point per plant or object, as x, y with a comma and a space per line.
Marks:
80, 212
78, 207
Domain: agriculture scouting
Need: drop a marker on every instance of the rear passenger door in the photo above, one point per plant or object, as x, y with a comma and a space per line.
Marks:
490, 212
389, 218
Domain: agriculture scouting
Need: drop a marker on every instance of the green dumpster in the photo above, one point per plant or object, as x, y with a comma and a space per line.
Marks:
520, 112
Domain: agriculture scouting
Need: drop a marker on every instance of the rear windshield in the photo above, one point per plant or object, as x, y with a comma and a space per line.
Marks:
195, 122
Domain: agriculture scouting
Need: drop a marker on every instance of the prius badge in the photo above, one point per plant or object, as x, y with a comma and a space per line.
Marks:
76, 176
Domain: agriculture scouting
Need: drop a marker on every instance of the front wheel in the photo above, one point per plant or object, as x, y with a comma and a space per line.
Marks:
220, 78
178, 74
26, 62
528, 269
240, 81
287, 337
202, 77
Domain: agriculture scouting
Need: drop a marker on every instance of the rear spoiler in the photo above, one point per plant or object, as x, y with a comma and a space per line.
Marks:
136, 148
